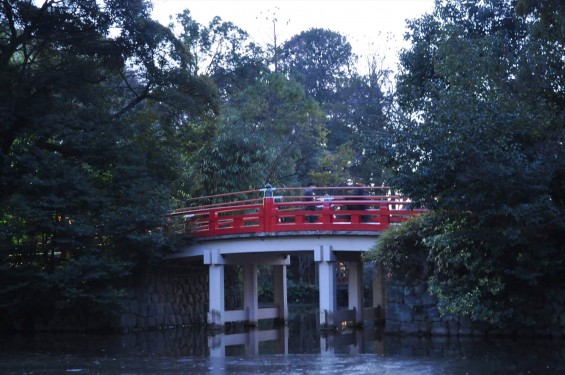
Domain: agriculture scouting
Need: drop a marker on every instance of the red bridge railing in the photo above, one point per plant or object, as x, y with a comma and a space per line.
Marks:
288, 210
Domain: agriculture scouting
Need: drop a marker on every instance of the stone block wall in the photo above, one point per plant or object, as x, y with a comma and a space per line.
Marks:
166, 297
411, 310
171, 297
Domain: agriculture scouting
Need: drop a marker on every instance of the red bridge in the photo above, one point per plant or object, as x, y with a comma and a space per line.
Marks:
288, 210
265, 227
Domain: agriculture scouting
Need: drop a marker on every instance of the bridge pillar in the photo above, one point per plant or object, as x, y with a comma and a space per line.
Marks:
280, 292
355, 290
250, 294
325, 259
216, 310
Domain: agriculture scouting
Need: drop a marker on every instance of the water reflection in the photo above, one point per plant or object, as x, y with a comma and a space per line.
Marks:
298, 348
256, 342
248, 342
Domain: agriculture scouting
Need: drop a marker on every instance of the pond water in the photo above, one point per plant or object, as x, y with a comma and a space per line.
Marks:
299, 348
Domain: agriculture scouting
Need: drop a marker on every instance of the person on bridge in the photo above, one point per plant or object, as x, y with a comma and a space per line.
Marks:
360, 194
310, 193
268, 191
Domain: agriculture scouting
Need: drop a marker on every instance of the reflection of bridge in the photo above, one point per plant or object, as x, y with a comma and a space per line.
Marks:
348, 341
245, 229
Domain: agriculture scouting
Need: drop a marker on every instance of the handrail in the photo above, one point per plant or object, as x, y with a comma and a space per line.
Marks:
223, 195
282, 211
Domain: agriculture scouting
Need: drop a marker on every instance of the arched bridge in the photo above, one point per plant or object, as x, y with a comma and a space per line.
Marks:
266, 226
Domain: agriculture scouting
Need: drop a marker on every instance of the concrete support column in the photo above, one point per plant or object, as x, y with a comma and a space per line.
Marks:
250, 294
216, 301
280, 292
216, 309
325, 260
355, 290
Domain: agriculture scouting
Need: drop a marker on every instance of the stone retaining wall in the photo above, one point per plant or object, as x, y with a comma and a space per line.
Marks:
410, 310
172, 297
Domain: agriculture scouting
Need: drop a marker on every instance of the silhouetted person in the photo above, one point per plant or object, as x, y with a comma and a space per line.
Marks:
360, 194
268, 190
310, 194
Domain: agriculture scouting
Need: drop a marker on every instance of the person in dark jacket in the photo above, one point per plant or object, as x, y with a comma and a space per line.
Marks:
360, 193
310, 193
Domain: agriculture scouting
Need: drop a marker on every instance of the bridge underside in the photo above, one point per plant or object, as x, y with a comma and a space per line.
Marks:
251, 251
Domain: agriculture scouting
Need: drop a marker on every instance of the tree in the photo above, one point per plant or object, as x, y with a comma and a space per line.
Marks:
91, 127
223, 52
365, 112
354, 105
320, 60
269, 133
479, 140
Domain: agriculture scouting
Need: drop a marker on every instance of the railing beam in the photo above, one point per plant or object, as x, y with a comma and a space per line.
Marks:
285, 213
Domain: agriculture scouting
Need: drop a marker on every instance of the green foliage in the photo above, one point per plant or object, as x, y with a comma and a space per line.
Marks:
93, 131
333, 167
270, 132
319, 60
479, 139
272, 129
88, 284
401, 250
222, 51
354, 105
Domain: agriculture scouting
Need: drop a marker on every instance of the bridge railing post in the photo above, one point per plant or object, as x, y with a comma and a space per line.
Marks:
212, 221
327, 214
268, 208
385, 215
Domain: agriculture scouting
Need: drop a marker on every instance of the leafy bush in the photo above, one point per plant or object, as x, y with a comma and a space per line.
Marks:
401, 250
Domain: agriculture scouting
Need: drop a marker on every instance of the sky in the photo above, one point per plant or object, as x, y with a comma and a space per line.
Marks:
371, 26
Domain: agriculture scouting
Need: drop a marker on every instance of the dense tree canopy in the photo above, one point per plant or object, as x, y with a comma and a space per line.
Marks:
321, 60
479, 138
221, 51
271, 132
354, 105
92, 128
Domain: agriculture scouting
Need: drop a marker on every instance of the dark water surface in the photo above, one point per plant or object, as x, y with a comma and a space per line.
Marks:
299, 348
